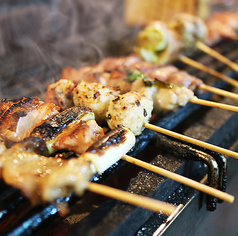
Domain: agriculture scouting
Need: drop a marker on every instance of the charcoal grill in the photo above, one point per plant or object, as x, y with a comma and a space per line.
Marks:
27, 74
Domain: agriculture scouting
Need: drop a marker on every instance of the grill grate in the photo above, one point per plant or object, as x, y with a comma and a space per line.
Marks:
96, 215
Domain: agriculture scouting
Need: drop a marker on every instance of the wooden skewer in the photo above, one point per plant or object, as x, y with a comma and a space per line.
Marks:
181, 179
141, 201
192, 140
199, 101
206, 69
218, 91
203, 47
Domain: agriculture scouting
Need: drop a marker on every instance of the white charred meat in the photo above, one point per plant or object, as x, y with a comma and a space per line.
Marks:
59, 93
71, 177
29, 172
129, 110
33, 145
165, 96
18, 119
95, 96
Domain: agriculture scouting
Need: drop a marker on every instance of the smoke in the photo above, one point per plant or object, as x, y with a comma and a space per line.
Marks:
38, 40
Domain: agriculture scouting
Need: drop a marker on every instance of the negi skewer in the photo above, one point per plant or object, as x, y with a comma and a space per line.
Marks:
173, 95
187, 32
109, 70
56, 177
53, 126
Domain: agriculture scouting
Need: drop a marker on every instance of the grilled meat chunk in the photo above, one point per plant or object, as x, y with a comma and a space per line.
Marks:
130, 110
182, 78
71, 176
191, 29
29, 171
168, 97
66, 121
95, 96
21, 117
59, 93
79, 137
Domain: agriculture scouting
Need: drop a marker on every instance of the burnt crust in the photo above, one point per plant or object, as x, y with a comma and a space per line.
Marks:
52, 127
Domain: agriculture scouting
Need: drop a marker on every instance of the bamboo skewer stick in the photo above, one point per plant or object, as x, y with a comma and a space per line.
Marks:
203, 47
141, 201
218, 91
192, 140
213, 104
206, 69
184, 180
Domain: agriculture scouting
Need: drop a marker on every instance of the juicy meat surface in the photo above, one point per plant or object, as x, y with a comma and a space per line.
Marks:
79, 137
182, 78
60, 92
43, 179
131, 110
95, 96
17, 122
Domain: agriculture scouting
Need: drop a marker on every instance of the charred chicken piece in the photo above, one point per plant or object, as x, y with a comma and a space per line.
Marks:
33, 145
165, 96
19, 118
95, 96
74, 129
60, 92
215, 163
129, 110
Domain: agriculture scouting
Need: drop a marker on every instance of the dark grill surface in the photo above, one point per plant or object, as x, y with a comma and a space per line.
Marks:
28, 75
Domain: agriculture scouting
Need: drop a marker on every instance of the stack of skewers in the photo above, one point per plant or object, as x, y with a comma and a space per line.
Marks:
119, 94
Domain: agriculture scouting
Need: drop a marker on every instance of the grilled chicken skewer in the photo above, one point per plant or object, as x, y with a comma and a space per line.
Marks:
44, 179
165, 96
187, 32
131, 106
56, 129
110, 70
